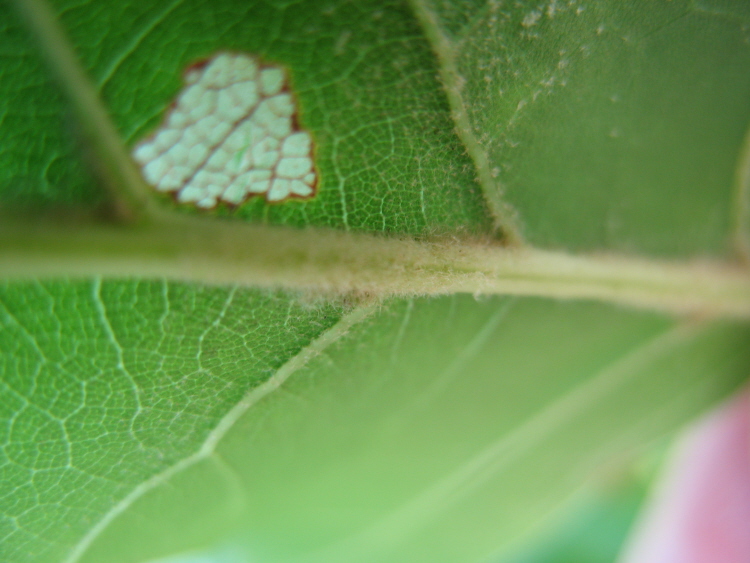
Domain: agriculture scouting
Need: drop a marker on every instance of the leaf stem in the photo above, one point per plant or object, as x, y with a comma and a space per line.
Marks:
130, 197
223, 252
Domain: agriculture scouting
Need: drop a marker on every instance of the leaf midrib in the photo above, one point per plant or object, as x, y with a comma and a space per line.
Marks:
327, 261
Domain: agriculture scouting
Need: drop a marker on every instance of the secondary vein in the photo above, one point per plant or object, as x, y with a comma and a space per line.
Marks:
129, 194
417, 513
505, 216
226, 423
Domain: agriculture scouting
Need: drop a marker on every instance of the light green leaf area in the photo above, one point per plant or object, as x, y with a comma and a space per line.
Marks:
105, 384
430, 433
607, 125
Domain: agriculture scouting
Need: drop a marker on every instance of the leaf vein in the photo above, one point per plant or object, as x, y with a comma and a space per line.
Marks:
505, 217
135, 42
208, 447
421, 510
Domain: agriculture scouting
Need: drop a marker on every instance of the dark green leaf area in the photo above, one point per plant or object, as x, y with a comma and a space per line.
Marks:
366, 84
105, 385
41, 161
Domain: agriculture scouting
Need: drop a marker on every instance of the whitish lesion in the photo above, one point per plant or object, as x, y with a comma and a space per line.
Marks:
232, 133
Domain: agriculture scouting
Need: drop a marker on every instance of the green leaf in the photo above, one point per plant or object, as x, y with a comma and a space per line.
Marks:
367, 86
229, 385
608, 125
418, 436
106, 384
39, 163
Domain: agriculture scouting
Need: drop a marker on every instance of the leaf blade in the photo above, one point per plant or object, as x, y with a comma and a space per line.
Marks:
407, 464
590, 116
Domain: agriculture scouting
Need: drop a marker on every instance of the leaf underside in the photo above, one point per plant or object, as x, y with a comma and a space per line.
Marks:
144, 418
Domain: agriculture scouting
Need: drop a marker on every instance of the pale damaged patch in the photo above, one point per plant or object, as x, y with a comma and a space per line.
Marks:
231, 134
